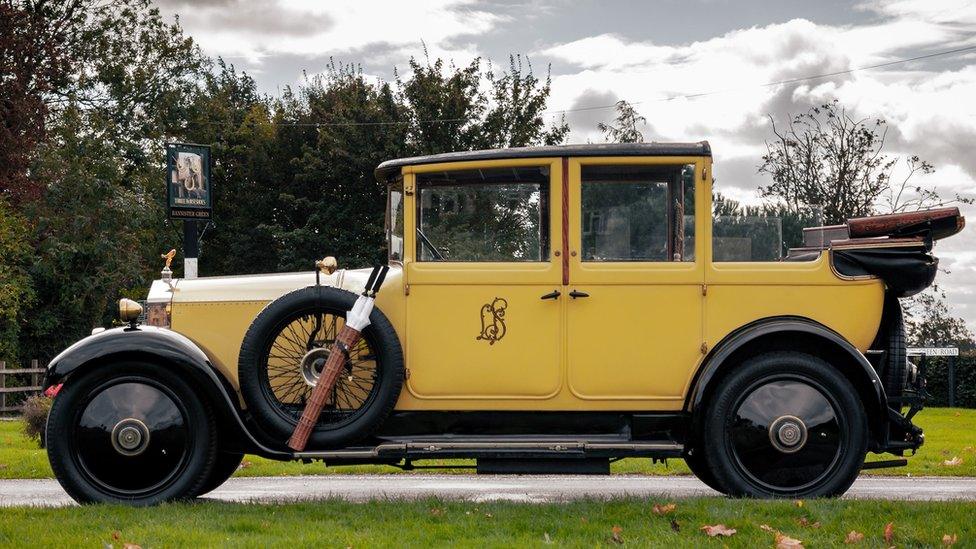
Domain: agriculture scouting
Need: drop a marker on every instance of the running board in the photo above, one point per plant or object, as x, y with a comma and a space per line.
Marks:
494, 449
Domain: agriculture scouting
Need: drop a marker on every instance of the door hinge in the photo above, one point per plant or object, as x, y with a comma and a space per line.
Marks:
406, 373
406, 289
704, 348
704, 289
704, 174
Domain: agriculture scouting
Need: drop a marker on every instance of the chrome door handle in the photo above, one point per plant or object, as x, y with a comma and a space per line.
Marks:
576, 293
552, 295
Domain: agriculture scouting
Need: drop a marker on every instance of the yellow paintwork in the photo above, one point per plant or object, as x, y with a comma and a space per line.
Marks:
634, 344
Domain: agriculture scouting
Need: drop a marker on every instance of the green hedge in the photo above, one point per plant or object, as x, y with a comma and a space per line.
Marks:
937, 376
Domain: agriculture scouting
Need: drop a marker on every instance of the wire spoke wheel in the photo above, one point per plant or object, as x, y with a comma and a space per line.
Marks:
294, 357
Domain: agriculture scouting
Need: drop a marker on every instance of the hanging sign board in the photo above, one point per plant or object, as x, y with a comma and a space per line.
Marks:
188, 189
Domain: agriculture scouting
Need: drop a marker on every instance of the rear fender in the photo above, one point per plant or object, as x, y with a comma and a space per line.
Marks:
794, 333
164, 347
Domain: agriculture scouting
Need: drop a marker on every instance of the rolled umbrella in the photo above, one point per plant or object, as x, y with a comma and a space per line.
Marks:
357, 319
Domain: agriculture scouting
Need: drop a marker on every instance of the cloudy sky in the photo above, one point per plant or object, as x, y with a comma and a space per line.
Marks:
654, 54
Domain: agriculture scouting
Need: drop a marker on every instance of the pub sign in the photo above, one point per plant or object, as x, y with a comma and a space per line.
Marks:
188, 189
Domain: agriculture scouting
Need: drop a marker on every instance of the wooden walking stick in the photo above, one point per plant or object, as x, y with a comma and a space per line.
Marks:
357, 320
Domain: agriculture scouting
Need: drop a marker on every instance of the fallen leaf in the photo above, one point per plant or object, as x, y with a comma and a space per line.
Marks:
766, 528
437, 512
854, 537
545, 536
245, 464
675, 525
805, 522
3, 466
131, 546
717, 530
956, 460
616, 536
948, 540
798, 503
663, 509
889, 532
584, 520
786, 542
116, 535
958, 414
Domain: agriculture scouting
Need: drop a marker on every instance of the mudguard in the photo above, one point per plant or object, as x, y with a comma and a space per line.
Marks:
166, 347
785, 325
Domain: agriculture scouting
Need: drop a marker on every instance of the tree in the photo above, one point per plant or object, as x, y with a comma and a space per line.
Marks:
625, 128
16, 287
446, 109
34, 61
827, 158
98, 227
930, 322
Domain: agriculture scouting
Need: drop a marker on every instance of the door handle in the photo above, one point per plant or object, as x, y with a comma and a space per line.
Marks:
552, 295
576, 293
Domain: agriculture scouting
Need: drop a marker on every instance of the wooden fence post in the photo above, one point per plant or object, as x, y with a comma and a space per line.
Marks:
35, 377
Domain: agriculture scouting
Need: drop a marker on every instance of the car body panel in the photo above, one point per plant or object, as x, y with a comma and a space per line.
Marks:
636, 344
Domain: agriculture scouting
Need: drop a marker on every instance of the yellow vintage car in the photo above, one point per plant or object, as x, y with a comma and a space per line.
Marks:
547, 310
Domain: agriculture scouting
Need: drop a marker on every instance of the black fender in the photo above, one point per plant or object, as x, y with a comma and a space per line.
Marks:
865, 377
164, 347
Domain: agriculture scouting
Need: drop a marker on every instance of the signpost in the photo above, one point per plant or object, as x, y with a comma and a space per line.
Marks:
189, 195
952, 353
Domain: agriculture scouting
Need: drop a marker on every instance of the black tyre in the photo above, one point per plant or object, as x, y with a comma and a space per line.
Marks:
785, 424
224, 467
130, 432
284, 351
895, 373
696, 462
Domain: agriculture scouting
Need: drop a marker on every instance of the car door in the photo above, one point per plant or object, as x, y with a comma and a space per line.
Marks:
479, 261
634, 327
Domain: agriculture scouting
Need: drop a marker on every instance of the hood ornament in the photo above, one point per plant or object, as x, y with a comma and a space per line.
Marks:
167, 273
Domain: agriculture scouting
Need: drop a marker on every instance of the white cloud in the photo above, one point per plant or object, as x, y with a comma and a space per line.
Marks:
345, 26
929, 107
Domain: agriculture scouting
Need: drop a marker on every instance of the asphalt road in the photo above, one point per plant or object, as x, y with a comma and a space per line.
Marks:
532, 489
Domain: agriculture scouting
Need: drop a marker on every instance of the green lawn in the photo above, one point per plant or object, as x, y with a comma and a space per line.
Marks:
949, 433
435, 523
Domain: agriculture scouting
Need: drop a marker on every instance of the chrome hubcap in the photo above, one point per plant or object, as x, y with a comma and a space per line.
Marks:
312, 364
130, 437
788, 434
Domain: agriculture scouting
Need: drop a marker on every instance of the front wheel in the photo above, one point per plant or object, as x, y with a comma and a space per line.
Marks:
130, 432
785, 424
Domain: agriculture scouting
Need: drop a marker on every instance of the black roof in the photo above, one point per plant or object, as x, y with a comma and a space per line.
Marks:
701, 148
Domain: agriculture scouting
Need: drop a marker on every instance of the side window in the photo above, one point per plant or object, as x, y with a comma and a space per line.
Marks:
493, 215
763, 233
394, 220
638, 213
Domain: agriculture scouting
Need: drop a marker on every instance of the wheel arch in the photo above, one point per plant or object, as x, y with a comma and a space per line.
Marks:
165, 348
792, 334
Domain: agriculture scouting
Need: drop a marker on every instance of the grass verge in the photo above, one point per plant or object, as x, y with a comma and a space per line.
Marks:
435, 523
950, 435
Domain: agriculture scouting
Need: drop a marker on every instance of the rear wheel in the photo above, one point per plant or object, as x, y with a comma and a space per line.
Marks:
895, 374
130, 432
785, 424
696, 462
